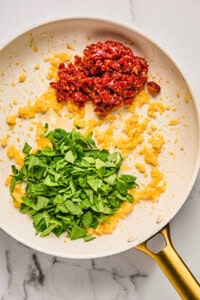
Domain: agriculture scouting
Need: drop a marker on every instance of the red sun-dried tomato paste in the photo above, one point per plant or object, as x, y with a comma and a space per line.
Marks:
108, 74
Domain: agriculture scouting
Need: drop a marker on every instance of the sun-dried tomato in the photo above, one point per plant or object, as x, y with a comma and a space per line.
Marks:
153, 88
108, 74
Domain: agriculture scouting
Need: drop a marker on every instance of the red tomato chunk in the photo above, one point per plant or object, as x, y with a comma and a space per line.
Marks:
153, 88
108, 74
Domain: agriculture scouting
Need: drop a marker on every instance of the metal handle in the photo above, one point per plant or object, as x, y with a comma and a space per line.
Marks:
173, 267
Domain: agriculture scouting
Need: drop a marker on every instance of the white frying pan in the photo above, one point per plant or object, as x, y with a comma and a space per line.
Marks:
179, 159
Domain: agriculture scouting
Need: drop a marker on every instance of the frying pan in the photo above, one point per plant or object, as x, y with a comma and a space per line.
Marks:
179, 159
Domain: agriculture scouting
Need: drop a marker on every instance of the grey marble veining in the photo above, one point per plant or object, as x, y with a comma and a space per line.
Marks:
29, 274
132, 10
26, 274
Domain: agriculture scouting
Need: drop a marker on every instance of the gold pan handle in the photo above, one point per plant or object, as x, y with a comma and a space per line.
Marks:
173, 267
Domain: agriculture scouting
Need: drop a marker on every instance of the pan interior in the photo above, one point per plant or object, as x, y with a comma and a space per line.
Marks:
178, 161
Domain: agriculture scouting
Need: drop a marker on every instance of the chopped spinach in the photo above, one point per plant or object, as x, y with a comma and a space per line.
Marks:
72, 186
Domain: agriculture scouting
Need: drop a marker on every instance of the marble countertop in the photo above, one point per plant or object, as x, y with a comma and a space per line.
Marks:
28, 274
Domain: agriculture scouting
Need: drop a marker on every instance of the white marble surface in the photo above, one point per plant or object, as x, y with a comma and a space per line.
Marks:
27, 274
